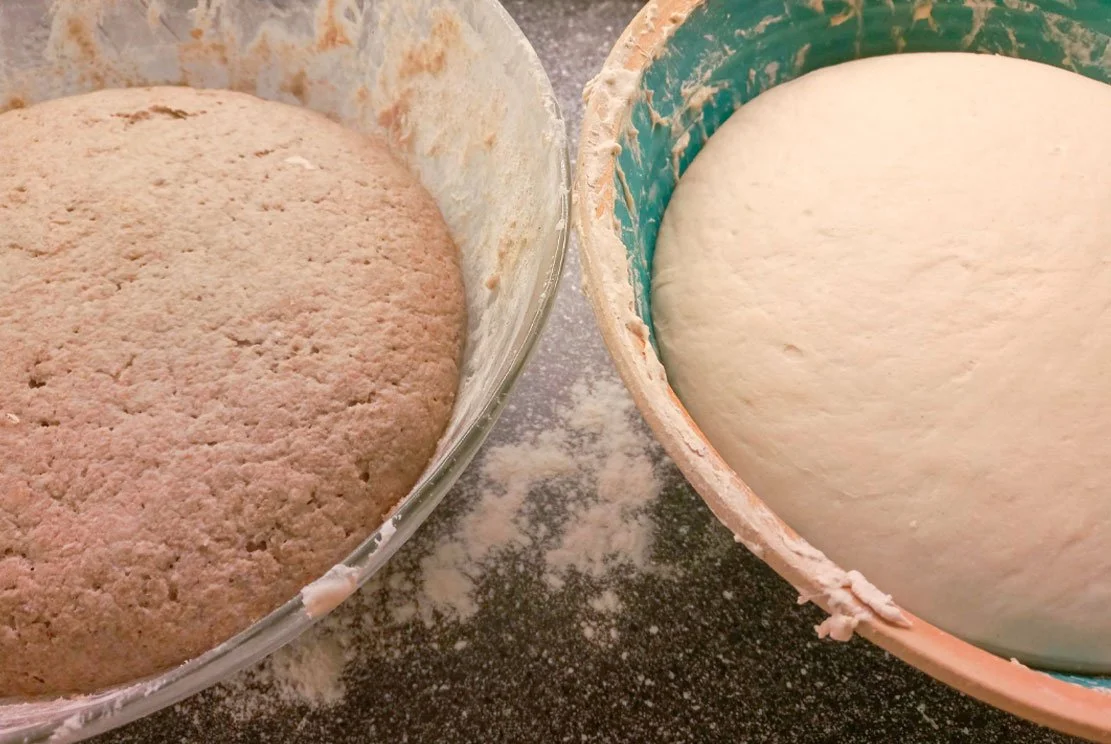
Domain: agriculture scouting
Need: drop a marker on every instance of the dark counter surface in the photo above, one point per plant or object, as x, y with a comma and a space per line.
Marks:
722, 653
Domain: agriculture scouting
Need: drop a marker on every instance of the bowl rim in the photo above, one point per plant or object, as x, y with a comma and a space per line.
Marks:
1008, 685
118, 706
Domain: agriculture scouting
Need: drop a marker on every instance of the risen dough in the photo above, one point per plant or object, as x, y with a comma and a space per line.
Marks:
229, 341
884, 293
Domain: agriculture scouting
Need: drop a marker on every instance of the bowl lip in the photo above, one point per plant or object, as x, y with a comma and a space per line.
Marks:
115, 707
1004, 684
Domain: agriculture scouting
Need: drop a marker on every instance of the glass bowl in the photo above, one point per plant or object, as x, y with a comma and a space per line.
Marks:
678, 71
460, 94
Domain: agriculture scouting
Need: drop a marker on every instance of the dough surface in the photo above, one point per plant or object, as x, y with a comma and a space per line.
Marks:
230, 335
883, 291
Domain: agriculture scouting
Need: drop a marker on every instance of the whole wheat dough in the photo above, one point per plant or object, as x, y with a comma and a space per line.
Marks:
883, 291
230, 334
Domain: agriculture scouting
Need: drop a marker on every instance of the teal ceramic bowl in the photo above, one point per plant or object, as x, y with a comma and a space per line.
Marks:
679, 71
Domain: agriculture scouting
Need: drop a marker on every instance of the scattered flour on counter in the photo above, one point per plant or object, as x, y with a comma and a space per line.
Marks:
311, 671
599, 460
606, 603
497, 522
566, 504
308, 672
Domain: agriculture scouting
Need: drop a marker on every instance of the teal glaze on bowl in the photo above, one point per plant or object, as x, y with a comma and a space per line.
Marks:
729, 51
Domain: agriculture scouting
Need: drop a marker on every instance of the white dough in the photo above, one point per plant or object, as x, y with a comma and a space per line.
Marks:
883, 291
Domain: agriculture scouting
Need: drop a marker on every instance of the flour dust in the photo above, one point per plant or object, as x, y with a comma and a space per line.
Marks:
568, 504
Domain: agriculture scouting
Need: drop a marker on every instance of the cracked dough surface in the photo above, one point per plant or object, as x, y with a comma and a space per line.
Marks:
883, 291
230, 334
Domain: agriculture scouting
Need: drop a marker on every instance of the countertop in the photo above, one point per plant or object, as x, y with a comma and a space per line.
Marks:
710, 647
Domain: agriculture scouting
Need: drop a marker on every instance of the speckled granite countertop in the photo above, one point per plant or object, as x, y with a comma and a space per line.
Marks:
721, 654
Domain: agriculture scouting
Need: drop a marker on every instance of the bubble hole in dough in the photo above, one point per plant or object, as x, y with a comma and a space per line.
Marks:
883, 291
230, 336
